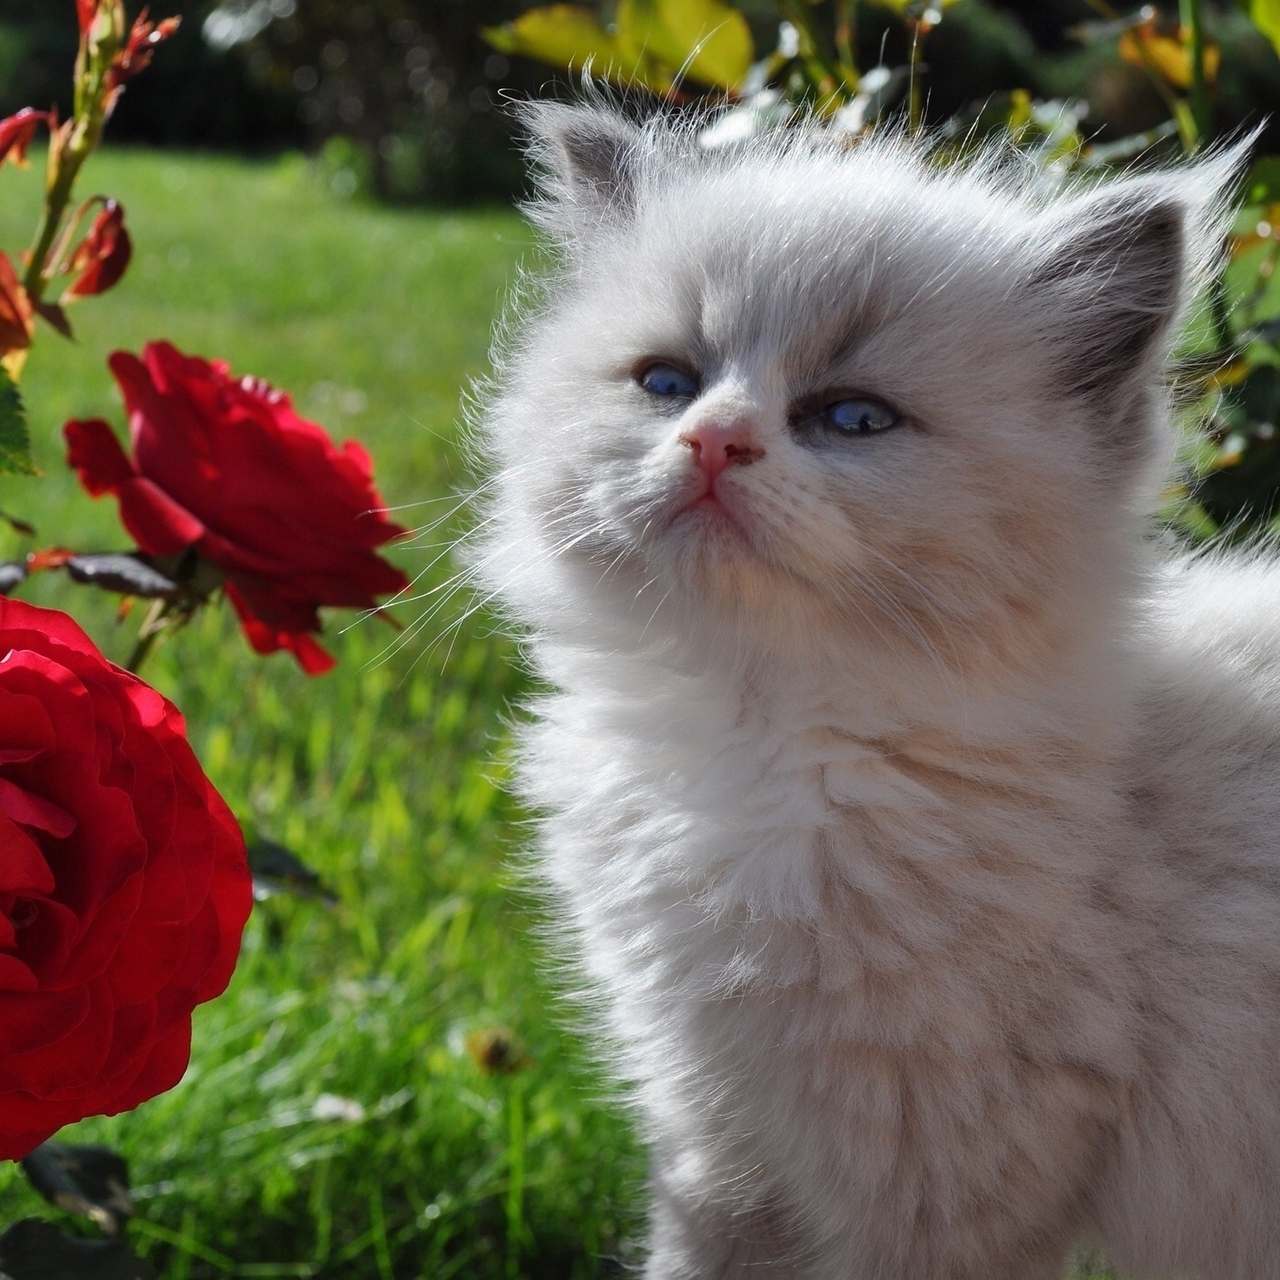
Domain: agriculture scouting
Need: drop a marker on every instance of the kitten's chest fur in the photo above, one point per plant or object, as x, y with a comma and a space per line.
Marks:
793, 909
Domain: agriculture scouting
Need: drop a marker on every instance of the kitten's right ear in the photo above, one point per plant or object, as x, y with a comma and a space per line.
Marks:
590, 157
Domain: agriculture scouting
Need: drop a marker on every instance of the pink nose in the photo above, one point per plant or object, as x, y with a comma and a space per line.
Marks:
716, 447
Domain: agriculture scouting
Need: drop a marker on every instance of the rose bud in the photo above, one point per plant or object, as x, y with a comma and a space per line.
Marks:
17, 319
102, 257
17, 131
139, 49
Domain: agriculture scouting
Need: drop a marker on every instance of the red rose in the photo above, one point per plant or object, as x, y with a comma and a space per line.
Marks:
226, 466
123, 883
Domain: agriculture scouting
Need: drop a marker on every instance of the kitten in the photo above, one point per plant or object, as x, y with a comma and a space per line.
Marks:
919, 826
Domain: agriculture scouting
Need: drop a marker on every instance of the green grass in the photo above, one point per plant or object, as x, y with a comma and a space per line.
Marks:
385, 775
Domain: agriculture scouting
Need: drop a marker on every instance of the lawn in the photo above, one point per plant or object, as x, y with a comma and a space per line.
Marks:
336, 1119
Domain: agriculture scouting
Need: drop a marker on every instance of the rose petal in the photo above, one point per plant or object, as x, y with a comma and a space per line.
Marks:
165, 1066
46, 942
32, 811
33, 1021
95, 455
15, 975
27, 728
23, 869
160, 525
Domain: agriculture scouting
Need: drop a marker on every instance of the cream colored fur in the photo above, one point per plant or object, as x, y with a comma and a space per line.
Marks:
919, 824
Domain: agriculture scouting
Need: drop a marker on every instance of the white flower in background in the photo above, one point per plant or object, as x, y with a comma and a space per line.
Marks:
236, 21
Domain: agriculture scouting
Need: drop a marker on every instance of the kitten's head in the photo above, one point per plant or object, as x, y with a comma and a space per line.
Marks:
790, 395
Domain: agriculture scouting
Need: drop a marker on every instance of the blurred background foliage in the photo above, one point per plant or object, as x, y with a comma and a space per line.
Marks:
403, 98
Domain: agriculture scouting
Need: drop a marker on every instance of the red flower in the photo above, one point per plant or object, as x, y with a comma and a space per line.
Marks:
226, 466
123, 883
86, 11
17, 320
139, 49
101, 258
17, 131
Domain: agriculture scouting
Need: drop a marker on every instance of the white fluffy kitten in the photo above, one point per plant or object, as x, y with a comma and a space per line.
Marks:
920, 829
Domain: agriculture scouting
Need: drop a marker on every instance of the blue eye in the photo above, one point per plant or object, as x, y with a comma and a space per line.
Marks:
668, 380
857, 417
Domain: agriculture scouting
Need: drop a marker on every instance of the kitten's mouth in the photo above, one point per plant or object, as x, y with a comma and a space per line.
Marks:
715, 451
709, 503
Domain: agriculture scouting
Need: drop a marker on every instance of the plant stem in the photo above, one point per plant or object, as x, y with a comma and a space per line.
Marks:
153, 626
64, 167
1218, 314
915, 105
1248, 305
73, 142
1180, 113
145, 643
822, 75
1192, 17
846, 48
515, 1179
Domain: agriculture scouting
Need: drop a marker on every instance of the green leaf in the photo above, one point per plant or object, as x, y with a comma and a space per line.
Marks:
15, 442
93, 1181
705, 40
917, 8
1266, 17
128, 573
37, 1250
563, 35
279, 870
1262, 186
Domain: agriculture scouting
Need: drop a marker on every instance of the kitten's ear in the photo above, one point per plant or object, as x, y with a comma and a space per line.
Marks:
1117, 267
590, 157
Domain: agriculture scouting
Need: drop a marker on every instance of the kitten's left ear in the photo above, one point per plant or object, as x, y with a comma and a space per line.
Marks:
590, 156
1117, 267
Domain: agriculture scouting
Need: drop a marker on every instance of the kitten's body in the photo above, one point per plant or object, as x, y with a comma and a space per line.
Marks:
919, 829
